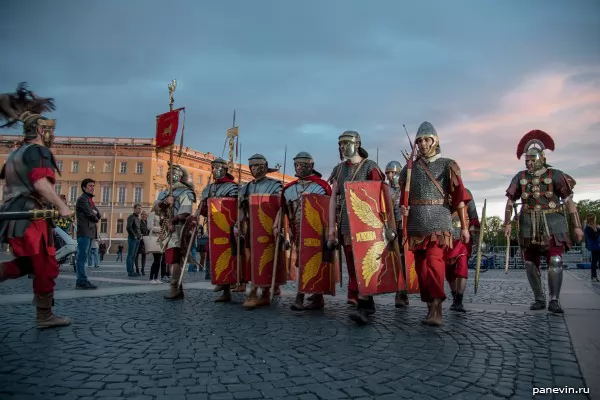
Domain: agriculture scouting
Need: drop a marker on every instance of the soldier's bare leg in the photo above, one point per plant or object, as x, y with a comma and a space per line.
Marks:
352, 283
172, 258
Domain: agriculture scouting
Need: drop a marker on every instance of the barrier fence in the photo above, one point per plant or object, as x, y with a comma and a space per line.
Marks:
495, 258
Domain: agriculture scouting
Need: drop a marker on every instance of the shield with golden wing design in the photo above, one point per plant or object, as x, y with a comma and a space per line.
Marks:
222, 215
263, 210
316, 276
374, 246
412, 282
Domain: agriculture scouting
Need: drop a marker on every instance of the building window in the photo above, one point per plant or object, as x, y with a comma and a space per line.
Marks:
121, 194
73, 194
75, 166
119, 226
107, 166
139, 168
123, 168
103, 225
137, 195
200, 180
161, 170
106, 194
58, 188
59, 164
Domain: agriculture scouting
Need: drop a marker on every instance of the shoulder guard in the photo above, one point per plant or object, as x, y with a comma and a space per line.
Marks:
191, 195
38, 156
454, 172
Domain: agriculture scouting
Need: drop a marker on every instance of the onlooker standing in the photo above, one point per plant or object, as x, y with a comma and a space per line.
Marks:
120, 252
134, 235
102, 251
142, 248
93, 258
154, 228
87, 219
592, 242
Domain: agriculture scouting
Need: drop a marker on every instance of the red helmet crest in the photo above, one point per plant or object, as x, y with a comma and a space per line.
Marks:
538, 137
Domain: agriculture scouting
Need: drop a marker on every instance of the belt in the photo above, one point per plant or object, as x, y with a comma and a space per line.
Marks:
428, 202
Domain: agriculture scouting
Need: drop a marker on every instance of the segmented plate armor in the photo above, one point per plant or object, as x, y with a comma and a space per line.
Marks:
225, 189
293, 195
395, 193
542, 211
264, 186
425, 219
183, 199
343, 173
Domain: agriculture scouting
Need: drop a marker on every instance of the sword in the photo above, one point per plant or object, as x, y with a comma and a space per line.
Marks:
31, 214
482, 229
278, 238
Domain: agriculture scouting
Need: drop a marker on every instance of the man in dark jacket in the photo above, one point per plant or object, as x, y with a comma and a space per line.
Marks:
87, 219
592, 243
134, 235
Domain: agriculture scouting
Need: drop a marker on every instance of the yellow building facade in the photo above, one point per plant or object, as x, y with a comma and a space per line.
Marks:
126, 170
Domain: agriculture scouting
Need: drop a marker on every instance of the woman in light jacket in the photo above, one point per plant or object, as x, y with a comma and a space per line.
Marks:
159, 261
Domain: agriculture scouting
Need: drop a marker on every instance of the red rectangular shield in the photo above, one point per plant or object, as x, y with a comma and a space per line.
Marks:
263, 211
412, 282
377, 261
315, 275
222, 215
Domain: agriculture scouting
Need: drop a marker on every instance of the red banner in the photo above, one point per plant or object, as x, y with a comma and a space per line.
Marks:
166, 128
263, 210
222, 214
377, 259
316, 275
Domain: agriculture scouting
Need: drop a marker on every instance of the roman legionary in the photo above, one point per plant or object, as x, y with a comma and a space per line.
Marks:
457, 258
309, 181
30, 173
546, 196
174, 210
392, 172
355, 166
261, 184
223, 185
436, 191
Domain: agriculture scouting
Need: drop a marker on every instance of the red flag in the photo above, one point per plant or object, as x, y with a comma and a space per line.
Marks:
166, 128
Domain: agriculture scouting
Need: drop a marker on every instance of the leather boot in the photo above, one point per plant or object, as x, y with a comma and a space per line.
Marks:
361, 316
317, 303
218, 288
175, 292
241, 288
226, 296
44, 317
251, 299
458, 303
265, 298
453, 306
401, 300
298, 303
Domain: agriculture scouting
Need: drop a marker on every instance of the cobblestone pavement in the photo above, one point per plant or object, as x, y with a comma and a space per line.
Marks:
139, 346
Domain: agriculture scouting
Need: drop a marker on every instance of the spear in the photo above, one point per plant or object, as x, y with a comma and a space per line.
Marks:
277, 239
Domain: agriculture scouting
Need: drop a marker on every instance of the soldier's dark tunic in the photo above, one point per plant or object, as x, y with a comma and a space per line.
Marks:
32, 242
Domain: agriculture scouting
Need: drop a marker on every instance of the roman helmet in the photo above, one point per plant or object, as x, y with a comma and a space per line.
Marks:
220, 168
261, 166
26, 107
533, 145
305, 160
426, 130
393, 167
180, 174
350, 145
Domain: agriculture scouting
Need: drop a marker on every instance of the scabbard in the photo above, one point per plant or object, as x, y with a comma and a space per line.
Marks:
31, 214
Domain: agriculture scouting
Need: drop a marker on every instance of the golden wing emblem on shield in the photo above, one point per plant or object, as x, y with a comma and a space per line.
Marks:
266, 257
413, 276
311, 268
265, 221
222, 262
313, 218
370, 264
363, 211
220, 219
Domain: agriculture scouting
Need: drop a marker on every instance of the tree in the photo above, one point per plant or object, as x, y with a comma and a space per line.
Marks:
585, 207
493, 230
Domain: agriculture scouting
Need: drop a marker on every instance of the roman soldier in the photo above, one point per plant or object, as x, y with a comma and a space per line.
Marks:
392, 172
546, 195
355, 166
174, 209
436, 191
261, 184
223, 185
309, 181
30, 173
457, 258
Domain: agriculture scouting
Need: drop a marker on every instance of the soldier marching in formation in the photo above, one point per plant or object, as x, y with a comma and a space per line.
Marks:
262, 230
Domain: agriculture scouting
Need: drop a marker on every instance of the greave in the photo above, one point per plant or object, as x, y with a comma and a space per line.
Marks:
555, 276
535, 281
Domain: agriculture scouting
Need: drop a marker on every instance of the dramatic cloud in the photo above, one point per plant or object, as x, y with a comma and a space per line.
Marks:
299, 73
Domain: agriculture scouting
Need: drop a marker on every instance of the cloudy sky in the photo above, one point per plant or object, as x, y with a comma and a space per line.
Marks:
301, 72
